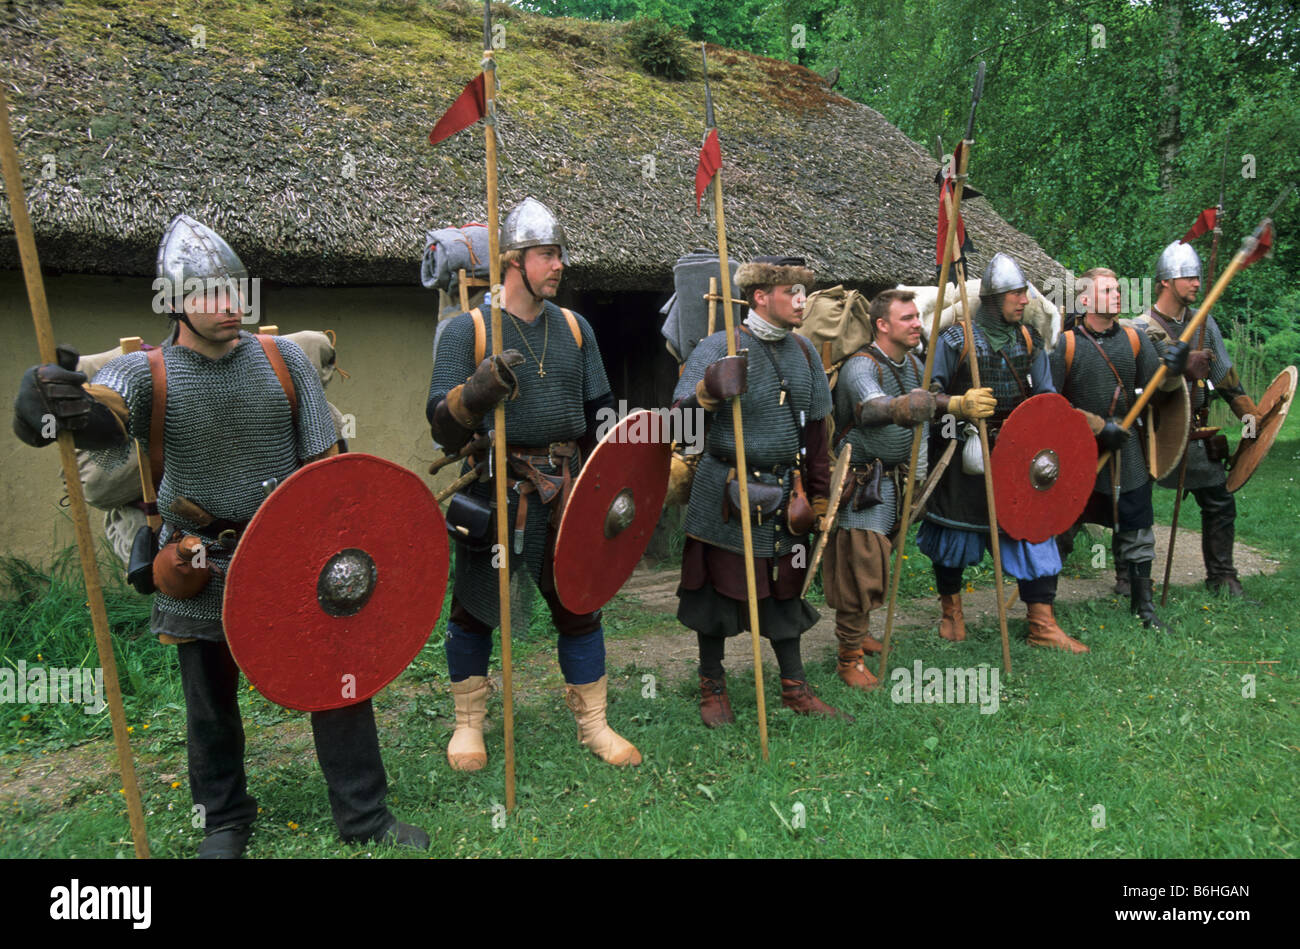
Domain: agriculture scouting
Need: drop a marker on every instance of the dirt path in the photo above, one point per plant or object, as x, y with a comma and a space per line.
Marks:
675, 652
62, 775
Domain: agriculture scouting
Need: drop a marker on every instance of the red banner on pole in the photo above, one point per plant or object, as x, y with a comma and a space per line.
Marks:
468, 108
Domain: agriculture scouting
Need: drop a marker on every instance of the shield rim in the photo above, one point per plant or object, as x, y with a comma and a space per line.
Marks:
1263, 443
1148, 416
654, 502
1087, 475
230, 609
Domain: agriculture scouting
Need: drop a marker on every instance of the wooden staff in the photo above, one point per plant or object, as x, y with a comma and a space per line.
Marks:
747, 534
905, 512
995, 543
68, 455
1200, 384
499, 413
1248, 247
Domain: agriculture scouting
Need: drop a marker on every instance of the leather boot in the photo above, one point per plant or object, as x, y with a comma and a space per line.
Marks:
715, 707
1122, 588
798, 698
225, 843
1141, 602
587, 703
852, 671
1218, 531
465, 751
1043, 630
953, 624
872, 646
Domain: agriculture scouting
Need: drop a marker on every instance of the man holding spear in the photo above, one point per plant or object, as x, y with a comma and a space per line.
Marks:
1178, 273
1013, 362
784, 402
555, 393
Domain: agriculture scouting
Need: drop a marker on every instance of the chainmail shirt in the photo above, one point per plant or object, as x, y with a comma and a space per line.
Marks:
228, 428
549, 408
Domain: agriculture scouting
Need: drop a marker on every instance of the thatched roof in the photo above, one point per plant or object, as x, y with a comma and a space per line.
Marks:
258, 132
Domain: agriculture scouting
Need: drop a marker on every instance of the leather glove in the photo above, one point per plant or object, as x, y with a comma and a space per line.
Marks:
1198, 364
52, 390
913, 408
1095, 422
493, 380
1175, 358
727, 378
1111, 437
973, 404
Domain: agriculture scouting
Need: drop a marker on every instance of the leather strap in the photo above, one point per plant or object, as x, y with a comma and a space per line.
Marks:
1119, 380
281, 372
157, 414
480, 332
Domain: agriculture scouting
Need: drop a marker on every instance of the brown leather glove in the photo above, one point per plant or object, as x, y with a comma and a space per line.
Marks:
1198, 364
493, 380
972, 404
726, 378
912, 409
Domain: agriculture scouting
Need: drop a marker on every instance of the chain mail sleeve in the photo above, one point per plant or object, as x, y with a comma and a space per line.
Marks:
129, 377
1057, 361
316, 432
595, 384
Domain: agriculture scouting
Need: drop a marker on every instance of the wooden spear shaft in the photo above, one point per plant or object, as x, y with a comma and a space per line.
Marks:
995, 543
905, 513
747, 534
499, 426
1153, 384
67, 453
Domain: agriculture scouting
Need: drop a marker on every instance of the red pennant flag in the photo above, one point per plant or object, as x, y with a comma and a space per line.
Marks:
710, 162
947, 189
1263, 248
1204, 222
469, 107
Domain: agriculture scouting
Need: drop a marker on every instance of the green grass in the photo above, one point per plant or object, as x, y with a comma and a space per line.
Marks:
1153, 728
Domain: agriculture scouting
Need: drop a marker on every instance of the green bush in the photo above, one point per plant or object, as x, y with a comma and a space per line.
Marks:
658, 48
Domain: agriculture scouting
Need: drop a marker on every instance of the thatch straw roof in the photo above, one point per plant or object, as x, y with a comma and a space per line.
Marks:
299, 131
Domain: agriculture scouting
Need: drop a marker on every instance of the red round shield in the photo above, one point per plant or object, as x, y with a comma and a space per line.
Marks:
337, 582
1044, 468
612, 511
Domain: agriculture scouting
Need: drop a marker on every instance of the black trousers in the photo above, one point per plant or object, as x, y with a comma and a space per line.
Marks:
347, 747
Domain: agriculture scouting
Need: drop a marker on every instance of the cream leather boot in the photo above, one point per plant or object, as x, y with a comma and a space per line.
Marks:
465, 751
588, 705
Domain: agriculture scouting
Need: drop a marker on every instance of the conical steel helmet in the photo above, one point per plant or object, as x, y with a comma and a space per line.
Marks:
190, 249
531, 224
1178, 260
1002, 274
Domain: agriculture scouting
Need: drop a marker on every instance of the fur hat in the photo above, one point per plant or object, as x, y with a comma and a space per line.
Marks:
773, 272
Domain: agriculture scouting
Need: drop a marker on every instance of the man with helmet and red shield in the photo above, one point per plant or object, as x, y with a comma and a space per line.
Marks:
223, 413
551, 373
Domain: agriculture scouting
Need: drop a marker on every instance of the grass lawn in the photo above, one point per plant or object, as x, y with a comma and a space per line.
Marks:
1154, 745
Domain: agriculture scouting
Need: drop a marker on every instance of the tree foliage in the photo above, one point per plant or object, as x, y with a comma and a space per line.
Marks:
1103, 124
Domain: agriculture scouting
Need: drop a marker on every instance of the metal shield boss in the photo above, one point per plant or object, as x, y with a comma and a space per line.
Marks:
612, 511
1044, 468
337, 582
1273, 406
1167, 421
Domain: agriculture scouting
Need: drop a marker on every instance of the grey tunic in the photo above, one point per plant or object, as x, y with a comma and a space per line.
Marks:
771, 435
862, 379
1201, 472
1090, 385
549, 408
228, 428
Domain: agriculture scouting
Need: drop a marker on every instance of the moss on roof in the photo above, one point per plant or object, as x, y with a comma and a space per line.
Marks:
299, 130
